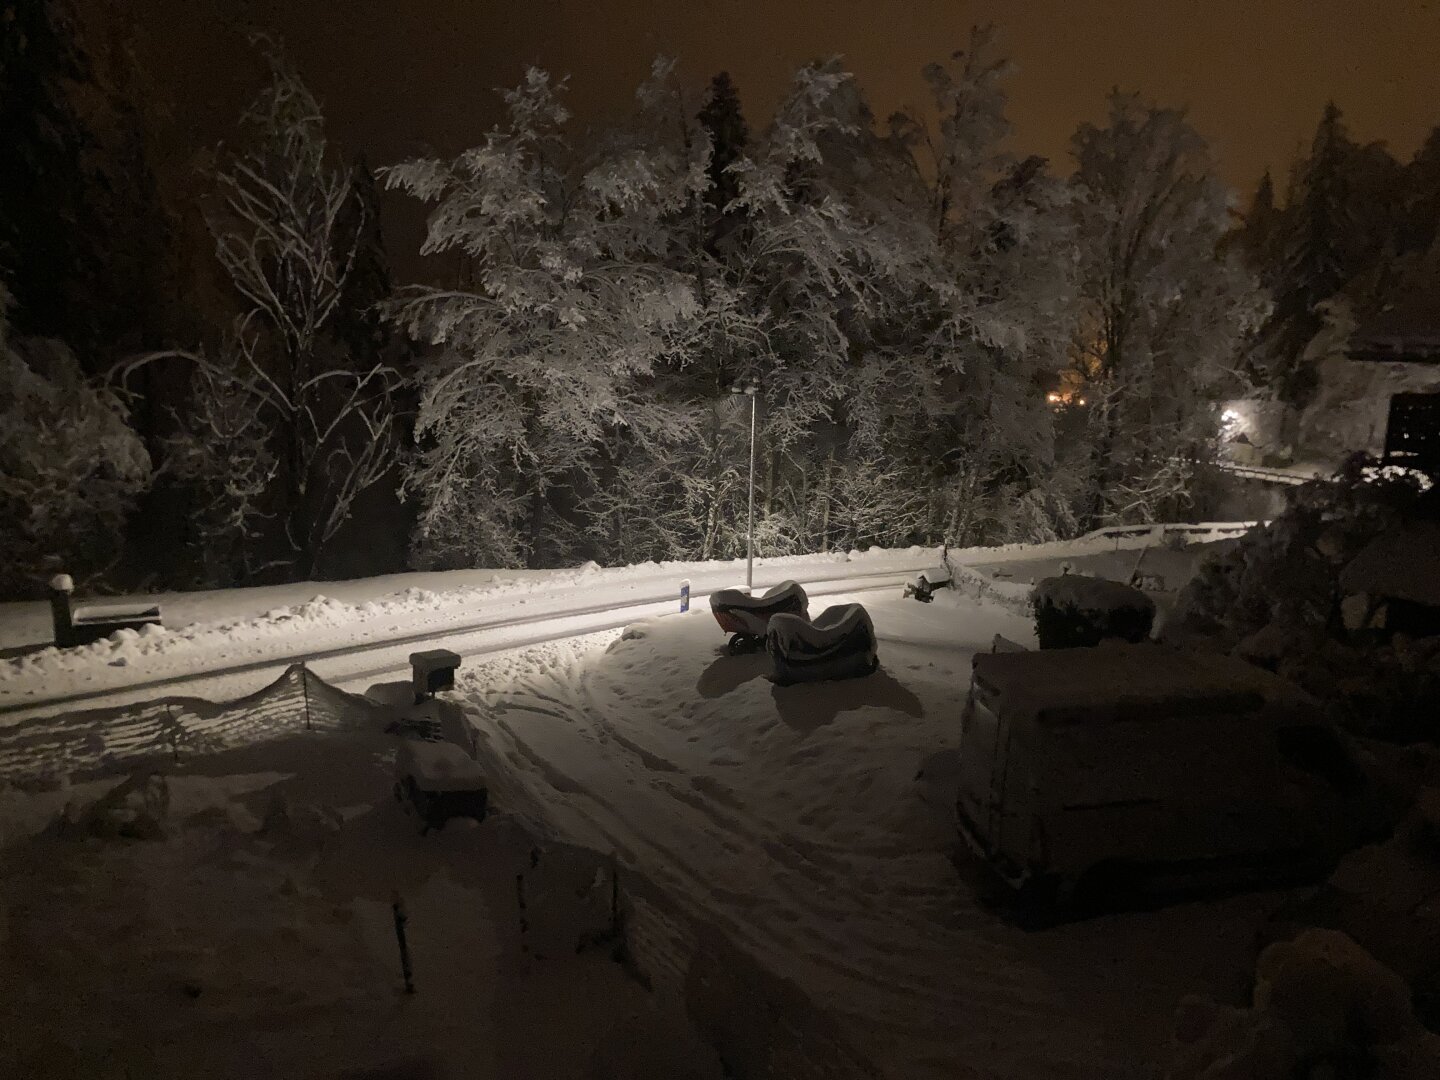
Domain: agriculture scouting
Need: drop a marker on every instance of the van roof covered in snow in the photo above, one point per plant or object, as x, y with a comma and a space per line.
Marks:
1124, 682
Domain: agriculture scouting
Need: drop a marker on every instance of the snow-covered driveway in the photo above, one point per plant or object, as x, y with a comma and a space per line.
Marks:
792, 819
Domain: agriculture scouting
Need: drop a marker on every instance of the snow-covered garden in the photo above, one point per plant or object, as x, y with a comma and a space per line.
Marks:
785, 859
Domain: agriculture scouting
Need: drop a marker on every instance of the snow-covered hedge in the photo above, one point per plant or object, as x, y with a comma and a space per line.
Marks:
1076, 610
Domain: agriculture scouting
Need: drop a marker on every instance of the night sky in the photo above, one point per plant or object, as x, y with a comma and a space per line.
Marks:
401, 77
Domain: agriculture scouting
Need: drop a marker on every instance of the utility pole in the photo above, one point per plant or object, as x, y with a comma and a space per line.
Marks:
752, 390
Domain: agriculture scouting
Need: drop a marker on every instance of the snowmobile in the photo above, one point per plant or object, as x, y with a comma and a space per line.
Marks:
839, 644
746, 618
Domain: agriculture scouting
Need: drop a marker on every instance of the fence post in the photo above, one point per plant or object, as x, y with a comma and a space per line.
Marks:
174, 733
397, 906
305, 689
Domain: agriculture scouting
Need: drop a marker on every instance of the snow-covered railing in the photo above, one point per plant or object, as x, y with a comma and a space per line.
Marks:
1110, 538
1268, 475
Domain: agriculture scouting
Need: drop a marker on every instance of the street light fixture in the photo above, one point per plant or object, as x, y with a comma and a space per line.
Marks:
751, 388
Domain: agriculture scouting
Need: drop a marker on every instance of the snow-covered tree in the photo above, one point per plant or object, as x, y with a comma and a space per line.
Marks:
222, 457
70, 465
958, 386
287, 230
571, 309
1165, 308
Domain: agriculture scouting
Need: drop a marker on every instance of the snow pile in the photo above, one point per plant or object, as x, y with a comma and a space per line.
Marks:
1322, 1007
439, 766
970, 586
136, 809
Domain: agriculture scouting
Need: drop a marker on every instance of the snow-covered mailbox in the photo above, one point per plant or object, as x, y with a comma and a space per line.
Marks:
1393, 584
1147, 767
839, 644
431, 671
1075, 610
91, 622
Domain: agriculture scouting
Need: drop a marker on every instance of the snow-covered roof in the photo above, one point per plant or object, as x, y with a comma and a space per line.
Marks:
1403, 564
1060, 685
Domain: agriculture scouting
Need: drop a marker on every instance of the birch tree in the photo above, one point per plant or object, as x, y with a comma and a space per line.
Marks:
281, 239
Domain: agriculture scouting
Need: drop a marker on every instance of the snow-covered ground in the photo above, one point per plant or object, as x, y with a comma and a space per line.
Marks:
251, 634
256, 939
814, 827
804, 835
231, 643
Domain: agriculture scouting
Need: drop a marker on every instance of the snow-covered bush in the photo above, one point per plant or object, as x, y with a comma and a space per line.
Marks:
1075, 610
1275, 597
1322, 1007
70, 466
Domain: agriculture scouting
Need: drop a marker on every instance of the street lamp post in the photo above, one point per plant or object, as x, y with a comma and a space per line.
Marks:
750, 388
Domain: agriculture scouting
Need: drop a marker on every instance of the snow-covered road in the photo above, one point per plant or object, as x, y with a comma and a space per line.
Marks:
229, 643
791, 819
373, 632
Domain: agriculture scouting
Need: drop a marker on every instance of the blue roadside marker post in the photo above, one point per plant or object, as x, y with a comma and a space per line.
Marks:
685, 596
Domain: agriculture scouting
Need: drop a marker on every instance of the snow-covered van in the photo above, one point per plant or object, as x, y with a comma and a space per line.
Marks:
1146, 767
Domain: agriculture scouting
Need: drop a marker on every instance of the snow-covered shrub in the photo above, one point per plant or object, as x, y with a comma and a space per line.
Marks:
1322, 1007
1075, 610
1275, 596
70, 466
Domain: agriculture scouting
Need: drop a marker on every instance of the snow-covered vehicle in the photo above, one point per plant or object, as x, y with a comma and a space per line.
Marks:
839, 644
440, 781
746, 618
1091, 775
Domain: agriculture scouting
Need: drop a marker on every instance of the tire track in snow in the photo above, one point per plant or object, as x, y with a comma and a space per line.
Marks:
798, 914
